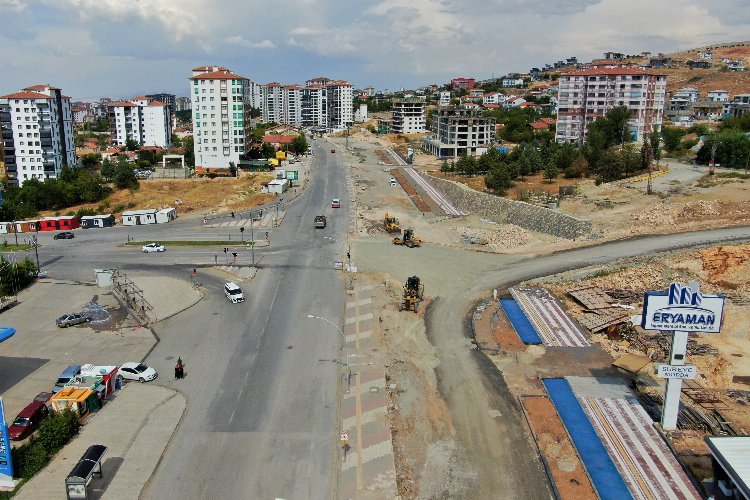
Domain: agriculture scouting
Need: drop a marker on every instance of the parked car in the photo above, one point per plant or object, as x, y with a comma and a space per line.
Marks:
43, 396
71, 319
393, 181
137, 371
233, 292
65, 235
153, 247
335, 203
28, 420
66, 376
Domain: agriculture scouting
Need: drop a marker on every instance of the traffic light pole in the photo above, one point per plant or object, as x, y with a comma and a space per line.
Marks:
252, 240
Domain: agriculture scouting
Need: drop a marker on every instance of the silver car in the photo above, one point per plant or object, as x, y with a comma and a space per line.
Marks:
71, 319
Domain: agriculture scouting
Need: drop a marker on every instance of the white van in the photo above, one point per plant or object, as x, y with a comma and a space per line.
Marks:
233, 292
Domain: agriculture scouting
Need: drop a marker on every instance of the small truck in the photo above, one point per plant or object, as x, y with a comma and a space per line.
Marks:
320, 221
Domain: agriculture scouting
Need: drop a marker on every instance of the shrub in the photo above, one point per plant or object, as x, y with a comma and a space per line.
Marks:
85, 211
119, 208
57, 429
103, 205
29, 459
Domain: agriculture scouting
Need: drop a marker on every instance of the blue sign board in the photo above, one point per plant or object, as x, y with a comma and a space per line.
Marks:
6, 462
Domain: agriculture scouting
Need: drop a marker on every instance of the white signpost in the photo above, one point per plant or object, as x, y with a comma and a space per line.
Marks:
677, 371
684, 309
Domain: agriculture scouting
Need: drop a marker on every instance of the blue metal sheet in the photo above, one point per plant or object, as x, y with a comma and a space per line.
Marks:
6, 332
520, 322
602, 471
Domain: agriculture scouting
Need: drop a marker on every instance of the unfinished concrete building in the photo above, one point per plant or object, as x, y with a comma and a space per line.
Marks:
408, 116
460, 131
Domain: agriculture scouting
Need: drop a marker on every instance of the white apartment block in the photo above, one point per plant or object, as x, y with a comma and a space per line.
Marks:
143, 120
445, 98
291, 99
37, 133
689, 93
719, 95
340, 104
408, 116
272, 99
587, 95
220, 104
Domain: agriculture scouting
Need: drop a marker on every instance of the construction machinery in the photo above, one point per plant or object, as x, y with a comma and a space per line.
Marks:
413, 294
391, 224
408, 239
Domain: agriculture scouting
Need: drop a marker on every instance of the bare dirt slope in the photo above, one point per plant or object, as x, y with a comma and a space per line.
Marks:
200, 195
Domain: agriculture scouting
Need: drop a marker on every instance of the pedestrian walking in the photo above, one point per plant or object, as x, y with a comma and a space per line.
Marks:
266, 234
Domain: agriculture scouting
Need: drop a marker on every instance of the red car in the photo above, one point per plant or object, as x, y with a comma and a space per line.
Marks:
28, 420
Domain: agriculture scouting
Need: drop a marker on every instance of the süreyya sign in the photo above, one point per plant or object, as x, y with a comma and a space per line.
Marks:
682, 309
677, 371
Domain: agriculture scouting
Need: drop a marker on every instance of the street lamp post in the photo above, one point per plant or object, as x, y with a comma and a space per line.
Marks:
252, 240
343, 337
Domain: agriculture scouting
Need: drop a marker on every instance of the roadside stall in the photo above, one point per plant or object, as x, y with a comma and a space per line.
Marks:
94, 221
80, 401
108, 374
62, 223
93, 382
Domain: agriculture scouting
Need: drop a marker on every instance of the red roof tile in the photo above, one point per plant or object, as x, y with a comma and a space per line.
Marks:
25, 95
41, 87
222, 74
156, 103
206, 69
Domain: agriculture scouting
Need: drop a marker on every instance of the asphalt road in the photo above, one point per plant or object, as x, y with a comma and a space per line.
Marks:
261, 376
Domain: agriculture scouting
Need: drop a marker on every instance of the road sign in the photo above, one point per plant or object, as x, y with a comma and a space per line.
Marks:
677, 371
6, 462
292, 175
345, 437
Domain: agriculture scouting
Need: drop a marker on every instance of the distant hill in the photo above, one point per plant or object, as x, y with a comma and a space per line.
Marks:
715, 78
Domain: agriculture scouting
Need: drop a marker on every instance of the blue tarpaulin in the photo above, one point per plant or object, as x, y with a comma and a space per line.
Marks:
602, 471
6, 332
520, 322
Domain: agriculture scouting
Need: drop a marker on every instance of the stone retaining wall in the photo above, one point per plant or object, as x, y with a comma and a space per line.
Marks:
505, 211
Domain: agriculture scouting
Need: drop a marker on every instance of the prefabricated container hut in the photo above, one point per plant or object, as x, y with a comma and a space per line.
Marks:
166, 215
64, 222
27, 226
92, 221
139, 217
278, 186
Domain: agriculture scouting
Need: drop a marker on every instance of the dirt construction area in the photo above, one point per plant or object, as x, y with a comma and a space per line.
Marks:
455, 389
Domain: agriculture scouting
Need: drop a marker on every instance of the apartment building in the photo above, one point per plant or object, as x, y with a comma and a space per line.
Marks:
460, 131
291, 104
340, 105
584, 96
408, 116
272, 102
168, 99
182, 103
143, 120
37, 133
314, 106
445, 98
220, 101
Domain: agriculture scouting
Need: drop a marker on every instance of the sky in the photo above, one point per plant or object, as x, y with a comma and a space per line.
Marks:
125, 48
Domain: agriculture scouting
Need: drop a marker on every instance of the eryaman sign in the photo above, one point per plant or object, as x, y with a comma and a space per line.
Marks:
682, 309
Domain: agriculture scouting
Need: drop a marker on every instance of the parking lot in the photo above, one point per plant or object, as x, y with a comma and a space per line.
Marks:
31, 360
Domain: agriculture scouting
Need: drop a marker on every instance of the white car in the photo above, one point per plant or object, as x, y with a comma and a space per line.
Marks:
137, 371
233, 292
153, 247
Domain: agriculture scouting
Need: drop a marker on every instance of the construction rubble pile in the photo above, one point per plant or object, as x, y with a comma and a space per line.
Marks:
667, 214
503, 237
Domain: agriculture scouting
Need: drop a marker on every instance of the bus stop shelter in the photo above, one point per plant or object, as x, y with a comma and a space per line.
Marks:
90, 465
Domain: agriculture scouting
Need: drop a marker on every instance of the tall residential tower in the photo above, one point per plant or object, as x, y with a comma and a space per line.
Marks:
37, 132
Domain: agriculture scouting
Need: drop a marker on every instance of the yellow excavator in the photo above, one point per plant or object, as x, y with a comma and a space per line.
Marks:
408, 240
413, 294
391, 224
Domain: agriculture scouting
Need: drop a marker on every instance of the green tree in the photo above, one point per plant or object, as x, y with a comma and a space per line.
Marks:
147, 155
124, 176
107, 170
57, 429
184, 116
551, 172
189, 152
656, 145
498, 179
91, 160
131, 144
672, 137
593, 149
444, 167
298, 145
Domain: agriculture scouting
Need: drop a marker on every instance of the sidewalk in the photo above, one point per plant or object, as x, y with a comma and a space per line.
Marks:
135, 426
167, 296
368, 470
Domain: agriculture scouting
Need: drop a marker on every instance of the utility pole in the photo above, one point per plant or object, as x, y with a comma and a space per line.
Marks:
252, 240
